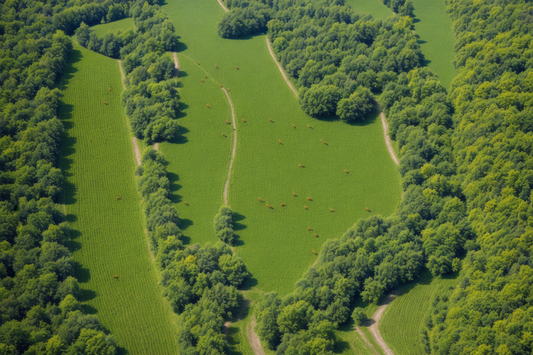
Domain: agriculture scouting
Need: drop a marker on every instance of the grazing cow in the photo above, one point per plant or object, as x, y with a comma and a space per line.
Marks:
202, 80
243, 120
305, 207
109, 89
197, 63
300, 165
325, 143
315, 235
226, 121
268, 206
331, 210
271, 120
282, 205
206, 76
293, 126
185, 203
208, 106
346, 171
314, 252
259, 198
280, 142
368, 209
118, 197
105, 103
309, 229
223, 135
237, 67
220, 85
216, 66
309, 199
116, 277
294, 194
309, 127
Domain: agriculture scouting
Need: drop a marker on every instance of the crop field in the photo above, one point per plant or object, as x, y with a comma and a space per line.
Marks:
274, 243
372, 7
402, 321
103, 29
436, 38
108, 239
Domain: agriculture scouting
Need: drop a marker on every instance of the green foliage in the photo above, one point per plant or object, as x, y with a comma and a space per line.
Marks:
357, 106
320, 100
358, 316
244, 21
224, 225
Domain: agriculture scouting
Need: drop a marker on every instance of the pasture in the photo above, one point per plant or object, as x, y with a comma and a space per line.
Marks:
434, 29
103, 207
274, 242
376, 8
403, 318
102, 29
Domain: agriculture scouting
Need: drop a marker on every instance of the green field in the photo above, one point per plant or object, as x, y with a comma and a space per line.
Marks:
436, 38
372, 7
108, 238
402, 321
103, 29
274, 243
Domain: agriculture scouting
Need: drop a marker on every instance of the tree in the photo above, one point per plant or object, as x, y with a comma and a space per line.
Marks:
224, 225
83, 35
320, 100
358, 316
357, 106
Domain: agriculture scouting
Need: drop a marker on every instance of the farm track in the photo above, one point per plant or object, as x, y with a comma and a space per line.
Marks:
376, 317
176, 63
222, 5
386, 136
255, 343
234, 148
136, 151
281, 70
122, 74
362, 335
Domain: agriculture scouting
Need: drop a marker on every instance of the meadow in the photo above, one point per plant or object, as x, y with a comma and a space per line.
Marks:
274, 243
403, 319
102, 29
434, 29
376, 8
108, 238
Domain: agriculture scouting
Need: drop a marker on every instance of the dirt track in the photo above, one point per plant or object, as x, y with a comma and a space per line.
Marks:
255, 343
281, 70
376, 317
362, 335
122, 74
234, 148
387, 138
156, 147
222, 5
176, 63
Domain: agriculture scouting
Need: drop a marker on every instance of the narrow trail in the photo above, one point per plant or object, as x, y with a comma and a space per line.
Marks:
386, 136
376, 317
156, 147
176, 63
122, 74
281, 70
136, 151
362, 335
255, 343
234, 148
222, 5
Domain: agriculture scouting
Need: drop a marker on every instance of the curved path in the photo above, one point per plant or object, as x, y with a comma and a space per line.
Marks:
281, 70
222, 5
176, 63
362, 335
234, 148
255, 343
387, 138
376, 317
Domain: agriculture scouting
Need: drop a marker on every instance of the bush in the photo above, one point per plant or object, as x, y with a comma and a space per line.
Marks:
224, 225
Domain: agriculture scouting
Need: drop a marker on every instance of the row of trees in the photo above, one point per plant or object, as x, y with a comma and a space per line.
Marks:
200, 282
329, 51
224, 225
151, 98
39, 308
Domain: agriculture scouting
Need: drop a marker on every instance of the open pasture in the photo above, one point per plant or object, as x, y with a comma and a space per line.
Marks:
436, 38
103, 207
275, 242
102, 29
403, 318
376, 8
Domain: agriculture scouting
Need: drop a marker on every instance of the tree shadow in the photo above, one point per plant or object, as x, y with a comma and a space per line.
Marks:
182, 74
249, 283
237, 217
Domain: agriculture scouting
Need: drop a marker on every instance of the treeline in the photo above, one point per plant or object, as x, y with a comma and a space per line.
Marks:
401, 7
151, 99
329, 51
491, 311
39, 308
200, 282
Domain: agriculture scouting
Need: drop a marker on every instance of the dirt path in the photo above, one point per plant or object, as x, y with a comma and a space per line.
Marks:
176, 63
234, 148
282, 71
255, 343
222, 5
156, 147
136, 151
122, 74
376, 317
386, 136
362, 335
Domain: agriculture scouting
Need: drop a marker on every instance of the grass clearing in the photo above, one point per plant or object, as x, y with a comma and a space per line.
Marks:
376, 8
102, 29
98, 165
274, 243
434, 29
402, 321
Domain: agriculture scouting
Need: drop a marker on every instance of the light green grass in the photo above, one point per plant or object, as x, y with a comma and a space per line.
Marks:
402, 321
102, 29
275, 243
372, 7
436, 38
97, 161
352, 343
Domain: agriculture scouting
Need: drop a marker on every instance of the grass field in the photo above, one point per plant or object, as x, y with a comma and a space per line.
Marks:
402, 321
372, 7
98, 165
436, 38
274, 243
103, 29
